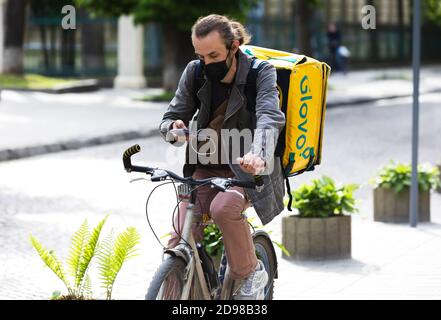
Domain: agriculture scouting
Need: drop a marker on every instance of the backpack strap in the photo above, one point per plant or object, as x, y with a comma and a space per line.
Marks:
251, 87
251, 95
286, 175
288, 191
198, 82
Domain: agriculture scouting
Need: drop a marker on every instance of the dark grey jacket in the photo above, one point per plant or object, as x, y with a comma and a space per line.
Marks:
269, 202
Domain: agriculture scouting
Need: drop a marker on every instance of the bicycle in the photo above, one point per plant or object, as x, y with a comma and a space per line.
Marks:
187, 271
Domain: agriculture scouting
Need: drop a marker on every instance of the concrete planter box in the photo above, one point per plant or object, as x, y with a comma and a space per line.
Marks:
394, 207
317, 238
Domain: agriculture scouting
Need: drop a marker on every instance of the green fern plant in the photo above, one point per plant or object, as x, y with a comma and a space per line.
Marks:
51, 261
113, 254
83, 247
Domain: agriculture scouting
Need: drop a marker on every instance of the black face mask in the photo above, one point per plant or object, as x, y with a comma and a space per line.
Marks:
216, 71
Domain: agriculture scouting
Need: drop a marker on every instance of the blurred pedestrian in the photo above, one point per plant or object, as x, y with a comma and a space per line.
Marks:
334, 43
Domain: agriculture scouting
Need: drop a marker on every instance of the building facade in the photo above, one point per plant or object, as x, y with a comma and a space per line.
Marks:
272, 24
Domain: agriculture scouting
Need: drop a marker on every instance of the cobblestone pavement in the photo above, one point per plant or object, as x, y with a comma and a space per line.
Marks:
49, 196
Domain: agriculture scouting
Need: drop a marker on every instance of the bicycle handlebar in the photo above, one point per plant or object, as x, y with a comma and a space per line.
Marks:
161, 174
128, 154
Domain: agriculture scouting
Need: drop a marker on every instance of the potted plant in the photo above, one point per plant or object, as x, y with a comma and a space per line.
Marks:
392, 191
85, 247
321, 229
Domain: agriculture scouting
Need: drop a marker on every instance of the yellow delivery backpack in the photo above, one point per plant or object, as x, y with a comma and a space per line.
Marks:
302, 85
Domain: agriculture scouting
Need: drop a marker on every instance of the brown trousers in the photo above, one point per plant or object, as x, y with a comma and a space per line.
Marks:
225, 208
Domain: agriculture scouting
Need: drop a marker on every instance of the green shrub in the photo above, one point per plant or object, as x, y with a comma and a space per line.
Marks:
214, 245
212, 241
323, 198
161, 97
398, 176
32, 81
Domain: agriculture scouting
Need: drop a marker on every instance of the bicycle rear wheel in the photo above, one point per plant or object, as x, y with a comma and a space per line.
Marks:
266, 253
168, 281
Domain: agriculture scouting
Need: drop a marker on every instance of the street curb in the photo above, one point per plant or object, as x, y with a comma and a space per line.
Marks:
74, 144
355, 101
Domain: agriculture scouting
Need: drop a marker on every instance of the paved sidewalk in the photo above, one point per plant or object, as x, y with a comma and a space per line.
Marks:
35, 123
388, 262
371, 85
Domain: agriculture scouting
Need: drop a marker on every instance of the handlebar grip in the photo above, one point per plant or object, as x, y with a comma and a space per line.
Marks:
127, 154
258, 180
243, 184
132, 150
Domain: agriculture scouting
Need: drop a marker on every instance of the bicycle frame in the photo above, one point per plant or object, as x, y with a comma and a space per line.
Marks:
194, 267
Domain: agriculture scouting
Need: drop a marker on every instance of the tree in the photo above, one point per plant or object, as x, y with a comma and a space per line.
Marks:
433, 11
109, 8
176, 18
41, 8
51, 10
92, 44
14, 36
374, 42
303, 14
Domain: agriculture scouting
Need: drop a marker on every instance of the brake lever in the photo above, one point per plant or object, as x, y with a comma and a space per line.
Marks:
223, 184
219, 184
138, 179
159, 175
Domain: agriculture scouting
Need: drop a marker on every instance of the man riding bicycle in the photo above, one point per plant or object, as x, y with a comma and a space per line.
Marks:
222, 106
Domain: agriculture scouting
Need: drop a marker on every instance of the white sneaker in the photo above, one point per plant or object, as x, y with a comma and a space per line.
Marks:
253, 287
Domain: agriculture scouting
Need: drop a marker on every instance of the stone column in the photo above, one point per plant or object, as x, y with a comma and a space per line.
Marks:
130, 54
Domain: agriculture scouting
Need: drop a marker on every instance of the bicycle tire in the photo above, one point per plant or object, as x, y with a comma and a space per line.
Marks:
266, 253
171, 268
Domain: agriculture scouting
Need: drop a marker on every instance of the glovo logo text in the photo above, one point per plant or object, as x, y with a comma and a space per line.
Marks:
302, 143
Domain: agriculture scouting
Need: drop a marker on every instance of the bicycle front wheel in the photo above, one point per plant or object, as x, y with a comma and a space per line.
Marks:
265, 252
168, 281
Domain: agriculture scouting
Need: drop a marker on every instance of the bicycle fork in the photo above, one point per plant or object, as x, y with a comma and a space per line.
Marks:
194, 270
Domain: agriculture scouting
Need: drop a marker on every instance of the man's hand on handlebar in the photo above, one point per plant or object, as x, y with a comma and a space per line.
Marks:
179, 131
251, 163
